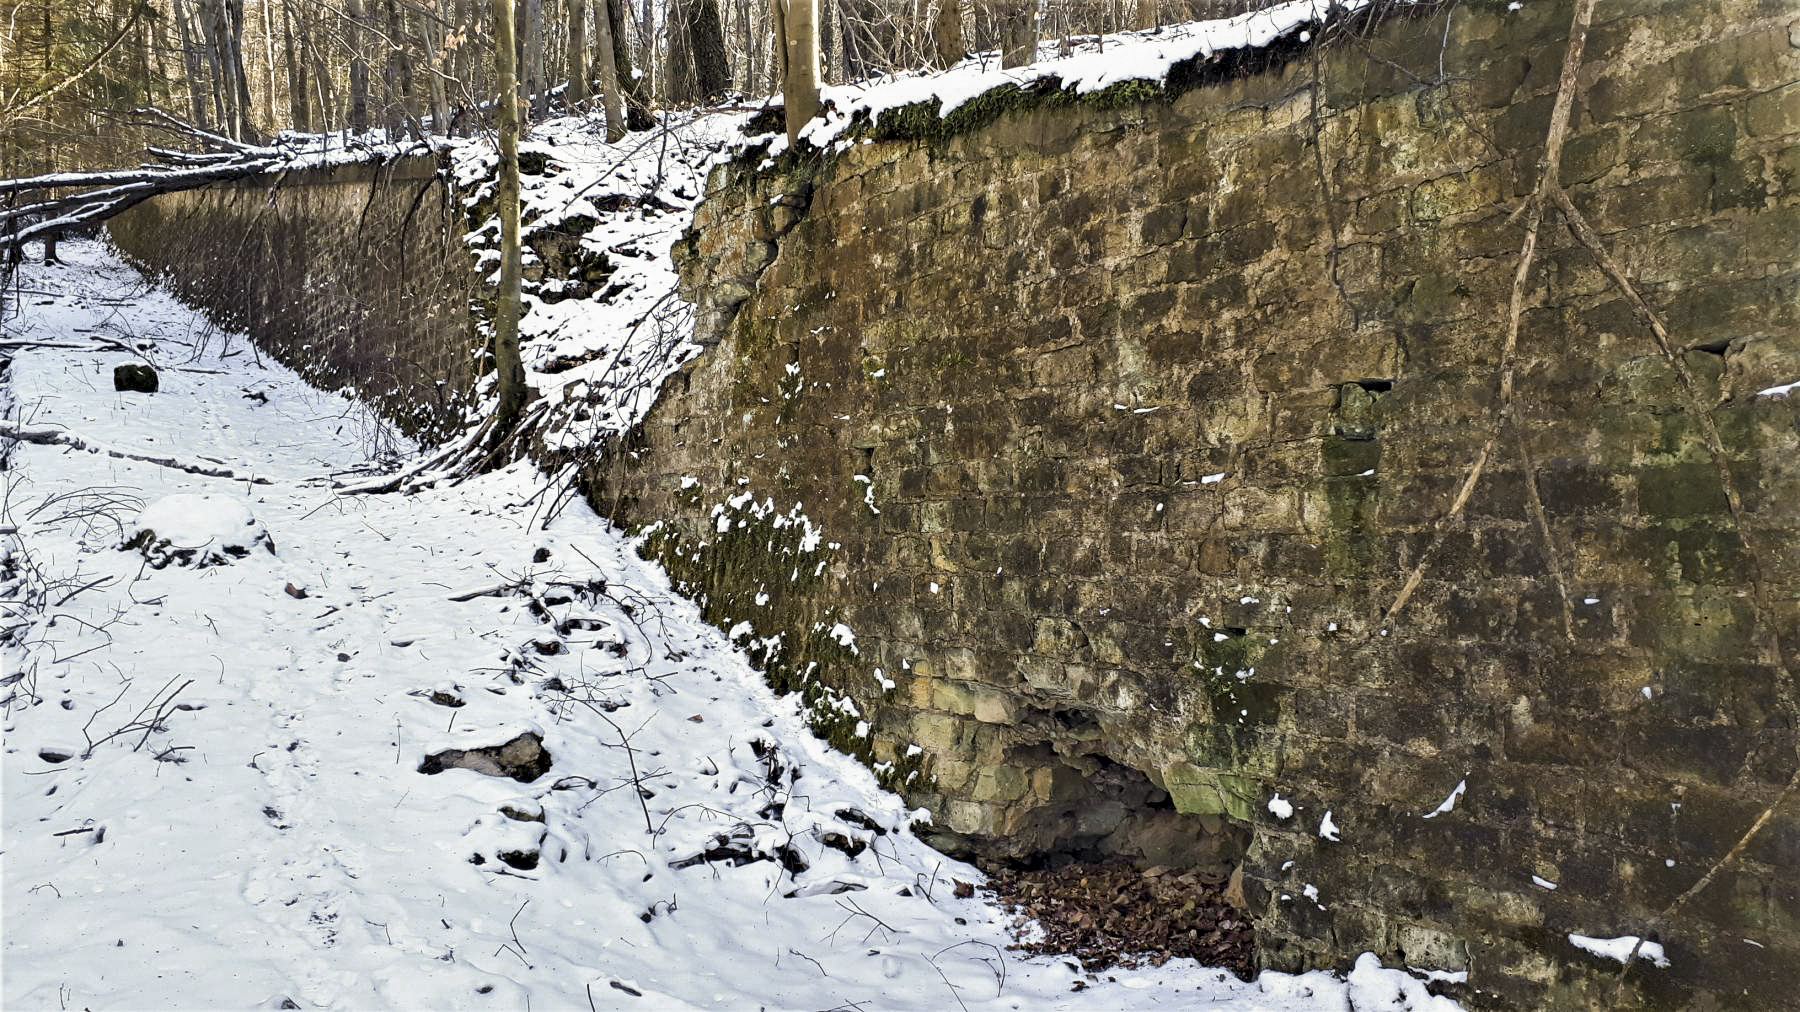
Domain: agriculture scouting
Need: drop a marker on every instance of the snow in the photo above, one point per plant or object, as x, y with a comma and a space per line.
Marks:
1369, 986
596, 364
1449, 803
1130, 56
236, 817
1328, 828
1779, 391
1280, 807
1543, 883
1619, 949
208, 523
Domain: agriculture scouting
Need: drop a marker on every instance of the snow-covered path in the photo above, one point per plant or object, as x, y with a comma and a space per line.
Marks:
213, 795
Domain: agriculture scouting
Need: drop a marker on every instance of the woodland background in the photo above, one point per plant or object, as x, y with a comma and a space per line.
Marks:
74, 72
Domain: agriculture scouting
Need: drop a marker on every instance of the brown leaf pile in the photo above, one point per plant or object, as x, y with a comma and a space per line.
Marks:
1110, 915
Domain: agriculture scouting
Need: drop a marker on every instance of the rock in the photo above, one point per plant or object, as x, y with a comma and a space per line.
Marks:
524, 759
198, 531
134, 376
523, 811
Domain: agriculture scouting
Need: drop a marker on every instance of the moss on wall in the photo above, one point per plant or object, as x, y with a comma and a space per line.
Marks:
1103, 409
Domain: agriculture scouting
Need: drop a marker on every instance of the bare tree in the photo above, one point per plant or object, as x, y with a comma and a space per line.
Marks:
507, 359
1016, 21
797, 28
578, 71
298, 107
609, 73
699, 69
947, 47
531, 56
359, 68
634, 89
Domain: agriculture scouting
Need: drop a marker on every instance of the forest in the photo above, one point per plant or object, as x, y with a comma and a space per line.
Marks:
77, 75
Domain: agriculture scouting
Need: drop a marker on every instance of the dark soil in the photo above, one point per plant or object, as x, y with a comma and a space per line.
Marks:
1108, 915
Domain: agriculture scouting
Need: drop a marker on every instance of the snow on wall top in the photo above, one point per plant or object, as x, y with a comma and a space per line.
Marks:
1096, 66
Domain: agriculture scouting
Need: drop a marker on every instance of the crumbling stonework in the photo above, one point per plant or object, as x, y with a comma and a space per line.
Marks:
1069, 462
355, 276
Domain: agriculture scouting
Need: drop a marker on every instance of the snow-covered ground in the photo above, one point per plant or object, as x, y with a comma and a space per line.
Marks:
213, 795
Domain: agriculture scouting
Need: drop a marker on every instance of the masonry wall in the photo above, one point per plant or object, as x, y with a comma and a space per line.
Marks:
355, 276
1070, 461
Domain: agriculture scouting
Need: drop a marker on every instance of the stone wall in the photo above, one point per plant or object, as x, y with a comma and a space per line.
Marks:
1069, 466
355, 276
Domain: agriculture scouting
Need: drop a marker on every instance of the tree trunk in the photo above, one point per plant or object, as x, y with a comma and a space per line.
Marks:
631, 87
208, 14
296, 62
234, 62
868, 39
679, 87
797, 26
609, 73
268, 64
578, 70
1146, 15
391, 106
160, 33
644, 84
747, 38
947, 35
706, 40
462, 60
508, 362
198, 98
324, 89
1018, 31
402, 104
359, 69
433, 34
532, 58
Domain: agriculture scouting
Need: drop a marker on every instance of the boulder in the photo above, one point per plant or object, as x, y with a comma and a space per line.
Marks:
135, 376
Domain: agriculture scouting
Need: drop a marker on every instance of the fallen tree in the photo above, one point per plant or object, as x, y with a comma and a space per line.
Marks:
41, 207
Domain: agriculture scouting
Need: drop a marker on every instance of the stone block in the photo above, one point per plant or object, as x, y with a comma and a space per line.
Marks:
1207, 792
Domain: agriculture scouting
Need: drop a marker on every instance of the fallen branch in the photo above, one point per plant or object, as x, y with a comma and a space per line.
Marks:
1547, 194
52, 437
118, 192
159, 119
104, 344
122, 177
490, 590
